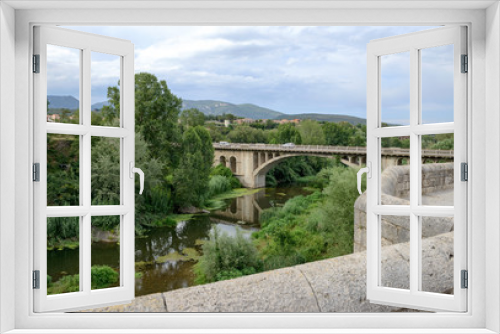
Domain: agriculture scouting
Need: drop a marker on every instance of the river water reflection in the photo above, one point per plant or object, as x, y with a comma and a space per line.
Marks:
241, 213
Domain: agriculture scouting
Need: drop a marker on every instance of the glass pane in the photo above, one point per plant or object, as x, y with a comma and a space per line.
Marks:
395, 165
395, 89
63, 255
437, 84
105, 171
63, 84
105, 252
437, 169
395, 251
105, 89
63, 168
437, 254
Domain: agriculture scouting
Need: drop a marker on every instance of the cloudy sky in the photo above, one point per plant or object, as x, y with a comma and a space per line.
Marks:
288, 69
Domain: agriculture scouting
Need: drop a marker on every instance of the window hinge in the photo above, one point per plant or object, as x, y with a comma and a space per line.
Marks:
36, 279
464, 171
465, 64
36, 172
465, 279
36, 63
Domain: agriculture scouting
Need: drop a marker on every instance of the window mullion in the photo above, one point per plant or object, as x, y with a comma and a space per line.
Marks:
414, 165
85, 170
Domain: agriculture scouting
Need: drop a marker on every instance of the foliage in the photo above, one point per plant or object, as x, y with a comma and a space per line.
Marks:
105, 176
101, 277
246, 134
192, 117
63, 168
218, 184
344, 134
226, 257
222, 170
313, 227
286, 133
311, 133
63, 232
291, 170
190, 180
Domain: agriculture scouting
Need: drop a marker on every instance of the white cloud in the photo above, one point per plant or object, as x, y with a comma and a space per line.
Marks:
290, 69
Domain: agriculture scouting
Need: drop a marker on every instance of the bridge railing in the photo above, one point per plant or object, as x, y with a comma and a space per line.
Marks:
328, 148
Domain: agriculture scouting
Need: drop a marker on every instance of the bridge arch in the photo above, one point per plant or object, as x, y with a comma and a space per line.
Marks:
222, 160
232, 164
259, 174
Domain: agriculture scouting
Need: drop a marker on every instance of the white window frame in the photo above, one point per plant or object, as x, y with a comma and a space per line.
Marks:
413, 44
484, 103
86, 44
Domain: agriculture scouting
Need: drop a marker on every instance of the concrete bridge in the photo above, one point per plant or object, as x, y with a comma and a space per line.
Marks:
251, 162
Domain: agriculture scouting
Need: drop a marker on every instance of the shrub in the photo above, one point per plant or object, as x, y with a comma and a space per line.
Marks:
101, 277
224, 171
218, 184
226, 257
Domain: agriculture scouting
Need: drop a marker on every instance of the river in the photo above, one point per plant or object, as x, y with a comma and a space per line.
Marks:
242, 213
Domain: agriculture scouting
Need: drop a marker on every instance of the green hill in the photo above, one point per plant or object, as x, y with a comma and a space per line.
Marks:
247, 110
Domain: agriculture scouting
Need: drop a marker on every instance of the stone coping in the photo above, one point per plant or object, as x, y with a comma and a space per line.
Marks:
332, 285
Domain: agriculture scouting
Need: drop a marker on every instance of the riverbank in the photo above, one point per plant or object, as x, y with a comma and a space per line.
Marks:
165, 256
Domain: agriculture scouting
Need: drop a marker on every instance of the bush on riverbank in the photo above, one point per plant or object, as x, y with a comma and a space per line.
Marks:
218, 184
313, 227
226, 257
102, 277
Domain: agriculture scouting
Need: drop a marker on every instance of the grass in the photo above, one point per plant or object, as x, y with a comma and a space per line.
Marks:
235, 193
186, 255
62, 244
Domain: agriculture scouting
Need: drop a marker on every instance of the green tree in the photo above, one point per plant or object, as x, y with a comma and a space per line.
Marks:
156, 114
338, 133
311, 133
192, 117
191, 178
287, 133
111, 111
246, 134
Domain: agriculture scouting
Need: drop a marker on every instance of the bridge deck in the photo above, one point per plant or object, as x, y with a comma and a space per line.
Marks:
328, 150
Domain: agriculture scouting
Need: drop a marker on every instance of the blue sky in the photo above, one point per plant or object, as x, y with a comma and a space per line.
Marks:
288, 69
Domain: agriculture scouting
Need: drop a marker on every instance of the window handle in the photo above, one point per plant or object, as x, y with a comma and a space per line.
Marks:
134, 170
368, 172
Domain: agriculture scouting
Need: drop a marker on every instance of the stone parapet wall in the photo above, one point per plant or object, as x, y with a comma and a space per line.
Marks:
395, 185
332, 285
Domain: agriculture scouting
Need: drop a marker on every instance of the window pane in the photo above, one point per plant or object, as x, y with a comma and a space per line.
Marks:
395, 165
105, 90
105, 252
437, 84
437, 169
437, 254
63, 168
395, 89
63, 255
63, 84
395, 251
105, 171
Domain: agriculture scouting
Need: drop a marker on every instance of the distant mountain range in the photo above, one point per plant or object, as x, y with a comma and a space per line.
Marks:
209, 107
59, 102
